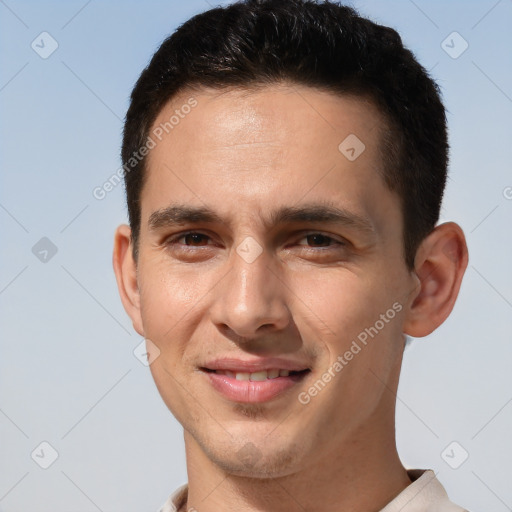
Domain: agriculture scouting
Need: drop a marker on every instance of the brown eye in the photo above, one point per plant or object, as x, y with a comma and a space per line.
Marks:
319, 240
194, 239
188, 240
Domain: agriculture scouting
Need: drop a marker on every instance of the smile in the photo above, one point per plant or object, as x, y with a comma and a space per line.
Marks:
256, 387
256, 376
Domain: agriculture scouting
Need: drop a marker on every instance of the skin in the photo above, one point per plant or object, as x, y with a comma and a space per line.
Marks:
245, 154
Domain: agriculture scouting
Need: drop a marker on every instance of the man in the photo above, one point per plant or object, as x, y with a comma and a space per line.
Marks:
284, 165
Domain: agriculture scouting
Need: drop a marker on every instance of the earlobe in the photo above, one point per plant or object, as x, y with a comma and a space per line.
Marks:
125, 270
441, 261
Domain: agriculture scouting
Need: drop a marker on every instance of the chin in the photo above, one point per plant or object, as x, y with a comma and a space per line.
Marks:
255, 459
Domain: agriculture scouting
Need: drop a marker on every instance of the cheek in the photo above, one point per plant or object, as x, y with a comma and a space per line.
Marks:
167, 297
357, 323
339, 304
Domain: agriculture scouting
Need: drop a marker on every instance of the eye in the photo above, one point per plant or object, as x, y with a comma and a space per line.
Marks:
319, 240
193, 238
191, 245
189, 239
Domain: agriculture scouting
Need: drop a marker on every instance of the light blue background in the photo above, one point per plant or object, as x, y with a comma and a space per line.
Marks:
68, 373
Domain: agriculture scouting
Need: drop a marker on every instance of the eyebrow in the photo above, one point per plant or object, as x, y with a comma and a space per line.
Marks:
180, 214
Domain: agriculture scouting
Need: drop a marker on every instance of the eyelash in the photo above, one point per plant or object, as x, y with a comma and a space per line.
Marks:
333, 242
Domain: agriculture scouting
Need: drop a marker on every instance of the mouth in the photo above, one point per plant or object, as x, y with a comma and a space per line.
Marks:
254, 387
257, 376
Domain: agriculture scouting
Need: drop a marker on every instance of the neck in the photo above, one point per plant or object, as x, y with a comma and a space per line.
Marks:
361, 473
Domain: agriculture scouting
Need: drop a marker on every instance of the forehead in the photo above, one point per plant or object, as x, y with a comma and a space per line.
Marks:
274, 114
257, 148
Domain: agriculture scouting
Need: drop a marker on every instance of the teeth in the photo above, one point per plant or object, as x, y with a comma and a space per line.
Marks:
255, 376
259, 375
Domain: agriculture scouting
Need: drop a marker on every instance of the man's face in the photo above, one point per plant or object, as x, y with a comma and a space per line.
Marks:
270, 278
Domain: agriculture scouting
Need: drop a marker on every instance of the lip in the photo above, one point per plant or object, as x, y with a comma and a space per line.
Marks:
248, 391
255, 365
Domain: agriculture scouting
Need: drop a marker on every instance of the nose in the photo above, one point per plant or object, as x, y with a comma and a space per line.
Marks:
251, 300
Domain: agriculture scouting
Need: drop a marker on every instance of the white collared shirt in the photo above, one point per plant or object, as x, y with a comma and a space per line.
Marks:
424, 494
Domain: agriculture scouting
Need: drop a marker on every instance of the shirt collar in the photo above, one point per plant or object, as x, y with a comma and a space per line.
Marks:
424, 494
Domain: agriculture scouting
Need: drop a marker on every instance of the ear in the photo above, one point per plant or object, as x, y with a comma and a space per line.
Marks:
125, 269
440, 263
